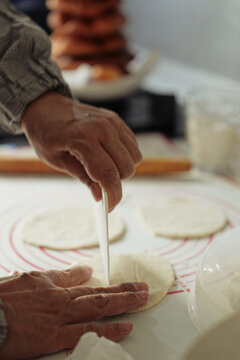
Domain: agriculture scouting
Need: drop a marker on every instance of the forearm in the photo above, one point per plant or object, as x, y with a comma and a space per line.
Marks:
26, 70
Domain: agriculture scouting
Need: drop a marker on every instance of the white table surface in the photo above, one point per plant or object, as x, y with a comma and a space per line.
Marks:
172, 77
164, 331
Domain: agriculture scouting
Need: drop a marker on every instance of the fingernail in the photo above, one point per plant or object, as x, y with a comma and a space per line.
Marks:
125, 327
88, 268
96, 191
141, 286
142, 295
15, 272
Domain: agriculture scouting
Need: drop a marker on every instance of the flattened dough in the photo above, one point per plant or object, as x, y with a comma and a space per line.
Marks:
150, 268
182, 217
67, 228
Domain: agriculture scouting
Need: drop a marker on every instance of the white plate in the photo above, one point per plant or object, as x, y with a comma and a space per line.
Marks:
81, 86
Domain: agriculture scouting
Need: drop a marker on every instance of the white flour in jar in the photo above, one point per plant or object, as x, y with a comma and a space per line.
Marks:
212, 141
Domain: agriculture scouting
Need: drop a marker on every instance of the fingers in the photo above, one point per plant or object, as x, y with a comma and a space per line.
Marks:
70, 277
132, 148
101, 169
12, 275
42, 279
69, 334
106, 151
129, 132
125, 287
127, 143
121, 157
74, 168
125, 154
95, 307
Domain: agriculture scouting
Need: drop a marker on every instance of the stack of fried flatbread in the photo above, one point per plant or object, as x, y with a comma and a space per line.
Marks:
89, 31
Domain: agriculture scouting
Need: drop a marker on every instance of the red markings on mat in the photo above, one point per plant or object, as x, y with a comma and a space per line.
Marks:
18, 253
189, 274
183, 242
175, 292
4, 268
44, 251
195, 255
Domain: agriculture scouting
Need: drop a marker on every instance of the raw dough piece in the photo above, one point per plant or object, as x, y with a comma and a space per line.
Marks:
181, 217
233, 292
67, 228
150, 268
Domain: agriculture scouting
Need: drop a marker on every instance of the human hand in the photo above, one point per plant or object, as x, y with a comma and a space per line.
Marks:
49, 311
89, 143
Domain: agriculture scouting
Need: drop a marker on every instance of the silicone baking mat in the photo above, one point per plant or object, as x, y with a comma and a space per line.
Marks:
25, 196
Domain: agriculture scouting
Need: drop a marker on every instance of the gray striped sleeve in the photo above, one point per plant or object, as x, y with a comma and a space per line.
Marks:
3, 325
26, 71
3, 322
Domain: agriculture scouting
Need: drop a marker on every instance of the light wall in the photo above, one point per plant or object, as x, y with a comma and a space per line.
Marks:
203, 33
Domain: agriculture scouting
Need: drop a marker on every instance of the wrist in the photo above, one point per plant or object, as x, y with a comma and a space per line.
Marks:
38, 105
3, 325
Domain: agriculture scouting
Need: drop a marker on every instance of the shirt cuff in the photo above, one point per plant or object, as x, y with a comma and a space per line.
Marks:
26, 69
14, 101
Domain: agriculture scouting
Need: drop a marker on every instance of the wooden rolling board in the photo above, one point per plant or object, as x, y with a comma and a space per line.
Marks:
160, 156
147, 167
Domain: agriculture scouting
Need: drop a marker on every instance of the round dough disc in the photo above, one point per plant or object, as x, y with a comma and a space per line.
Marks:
150, 268
67, 228
182, 217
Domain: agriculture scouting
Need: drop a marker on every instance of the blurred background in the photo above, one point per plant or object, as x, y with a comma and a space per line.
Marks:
205, 34
198, 43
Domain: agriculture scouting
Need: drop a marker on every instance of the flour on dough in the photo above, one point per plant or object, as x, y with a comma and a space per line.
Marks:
67, 228
233, 292
182, 217
150, 268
